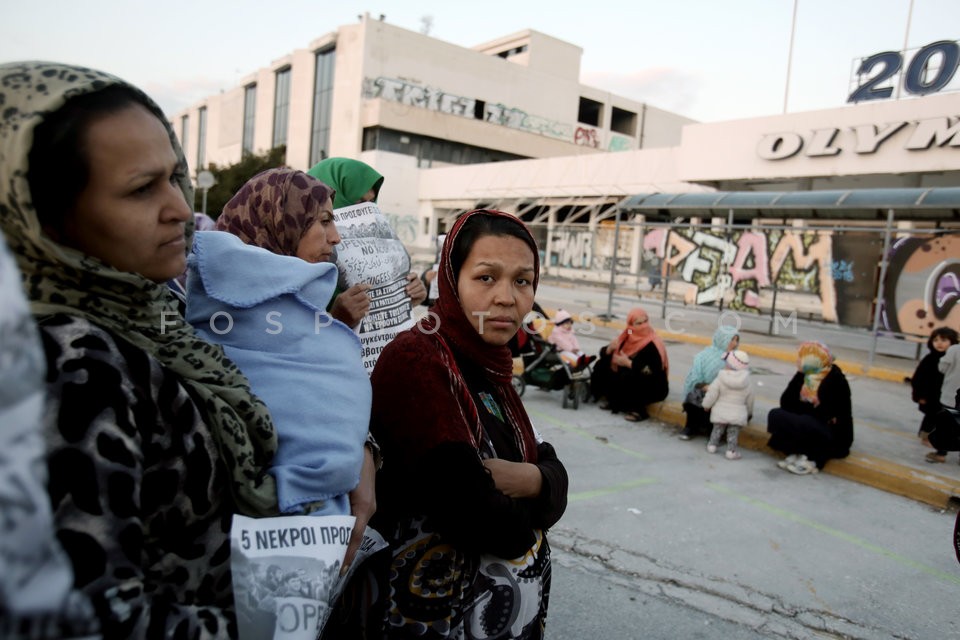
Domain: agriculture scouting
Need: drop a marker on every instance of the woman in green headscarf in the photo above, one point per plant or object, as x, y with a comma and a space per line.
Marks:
355, 182
154, 437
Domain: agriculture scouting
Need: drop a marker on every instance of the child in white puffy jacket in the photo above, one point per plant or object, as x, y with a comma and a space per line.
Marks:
730, 401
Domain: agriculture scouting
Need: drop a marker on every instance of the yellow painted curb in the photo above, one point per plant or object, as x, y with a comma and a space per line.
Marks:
929, 488
849, 366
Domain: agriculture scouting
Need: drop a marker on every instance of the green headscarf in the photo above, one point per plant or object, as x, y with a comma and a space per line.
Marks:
62, 280
350, 178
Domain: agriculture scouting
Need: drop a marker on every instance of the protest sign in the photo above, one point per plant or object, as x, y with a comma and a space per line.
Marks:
286, 572
370, 252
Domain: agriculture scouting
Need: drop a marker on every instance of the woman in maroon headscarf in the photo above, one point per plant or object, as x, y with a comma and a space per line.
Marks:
632, 371
467, 487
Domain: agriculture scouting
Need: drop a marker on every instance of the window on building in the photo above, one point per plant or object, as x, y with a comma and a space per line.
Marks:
184, 130
429, 150
479, 109
281, 107
623, 121
590, 111
322, 103
509, 53
201, 138
249, 116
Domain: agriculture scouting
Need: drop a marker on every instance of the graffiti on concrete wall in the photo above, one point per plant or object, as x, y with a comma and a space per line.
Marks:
572, 248
434, 99
586, 137
922, 287
736, 267
619, 143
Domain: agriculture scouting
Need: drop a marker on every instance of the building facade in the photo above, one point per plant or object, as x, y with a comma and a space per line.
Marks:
508, 125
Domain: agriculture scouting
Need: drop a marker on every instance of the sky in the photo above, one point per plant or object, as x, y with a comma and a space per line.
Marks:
710, 60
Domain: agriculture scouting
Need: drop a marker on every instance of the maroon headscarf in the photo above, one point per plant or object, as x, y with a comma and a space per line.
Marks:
428, 354
274, 209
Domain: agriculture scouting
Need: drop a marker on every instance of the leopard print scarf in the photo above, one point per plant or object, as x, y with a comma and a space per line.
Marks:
62, 280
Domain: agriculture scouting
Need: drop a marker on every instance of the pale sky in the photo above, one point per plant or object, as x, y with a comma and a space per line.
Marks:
710, 60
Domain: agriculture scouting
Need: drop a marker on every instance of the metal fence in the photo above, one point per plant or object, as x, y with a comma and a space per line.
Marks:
888, 280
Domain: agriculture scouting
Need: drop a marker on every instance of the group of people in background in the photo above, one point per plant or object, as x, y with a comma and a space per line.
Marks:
149, 425
936, 390
813, 423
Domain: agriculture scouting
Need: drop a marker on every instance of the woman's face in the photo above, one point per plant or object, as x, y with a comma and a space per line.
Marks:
132, 213
734, 343
318, 240
369, 196
496, 286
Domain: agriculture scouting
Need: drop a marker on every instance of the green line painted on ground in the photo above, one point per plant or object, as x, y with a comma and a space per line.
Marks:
605, 491
586, 434
836, 533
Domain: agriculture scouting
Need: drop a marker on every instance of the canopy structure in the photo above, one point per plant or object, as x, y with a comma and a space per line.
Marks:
933, 204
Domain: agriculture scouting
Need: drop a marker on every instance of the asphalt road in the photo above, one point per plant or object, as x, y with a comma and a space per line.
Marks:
663, 540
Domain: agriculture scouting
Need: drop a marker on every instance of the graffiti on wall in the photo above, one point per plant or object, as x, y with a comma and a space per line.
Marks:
619, 143
922, 287
586, 137
434, 99
736, 267
572, 248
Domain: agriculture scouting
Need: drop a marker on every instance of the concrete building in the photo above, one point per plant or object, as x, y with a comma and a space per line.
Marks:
405, 102
508, 125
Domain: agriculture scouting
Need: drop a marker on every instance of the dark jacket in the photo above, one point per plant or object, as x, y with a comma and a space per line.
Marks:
834, 410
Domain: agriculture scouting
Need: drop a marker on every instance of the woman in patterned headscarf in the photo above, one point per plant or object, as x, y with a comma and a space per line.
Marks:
270, 274
814, 422
154, 437
468, 488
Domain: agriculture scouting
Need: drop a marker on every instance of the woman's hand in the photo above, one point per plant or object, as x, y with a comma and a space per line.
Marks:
363, 504
622, 360
415, 289
352, 305
515, 479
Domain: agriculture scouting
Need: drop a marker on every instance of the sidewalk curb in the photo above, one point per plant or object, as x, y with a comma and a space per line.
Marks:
849, 366
932, 489
929, 488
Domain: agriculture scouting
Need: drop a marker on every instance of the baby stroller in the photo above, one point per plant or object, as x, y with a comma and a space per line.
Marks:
537, 363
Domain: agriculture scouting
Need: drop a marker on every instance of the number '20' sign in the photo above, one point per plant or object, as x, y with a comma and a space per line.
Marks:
930, 70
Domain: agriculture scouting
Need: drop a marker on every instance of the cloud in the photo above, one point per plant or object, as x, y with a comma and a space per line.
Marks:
663, 87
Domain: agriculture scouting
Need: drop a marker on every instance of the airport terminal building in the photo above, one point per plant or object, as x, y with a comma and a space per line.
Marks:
833, 209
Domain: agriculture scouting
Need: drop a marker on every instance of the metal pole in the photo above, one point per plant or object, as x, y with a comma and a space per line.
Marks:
793, 29
613, 265
724, 267
880, 287
906, 41
204, 210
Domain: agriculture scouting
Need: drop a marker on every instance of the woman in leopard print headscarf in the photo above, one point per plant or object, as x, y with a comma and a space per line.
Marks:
154, 436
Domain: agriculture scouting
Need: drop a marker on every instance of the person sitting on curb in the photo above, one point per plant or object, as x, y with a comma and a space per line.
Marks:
633, 369
814, 422
706, 365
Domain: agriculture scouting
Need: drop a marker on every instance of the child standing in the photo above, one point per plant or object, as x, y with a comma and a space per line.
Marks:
730, 401
927, 381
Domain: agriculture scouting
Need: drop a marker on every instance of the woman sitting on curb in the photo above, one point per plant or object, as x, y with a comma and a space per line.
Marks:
706, 365
815, 420
632, 371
